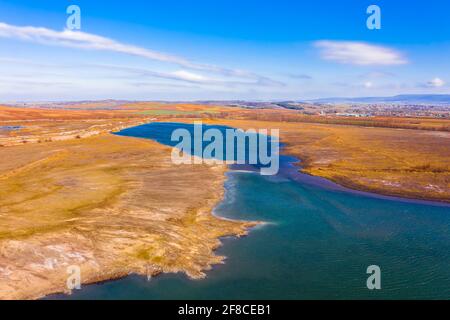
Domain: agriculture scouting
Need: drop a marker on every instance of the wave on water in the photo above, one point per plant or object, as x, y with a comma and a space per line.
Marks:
243, 171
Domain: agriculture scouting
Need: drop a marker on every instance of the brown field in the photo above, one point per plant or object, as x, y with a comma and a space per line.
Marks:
47, 125
406, 163
283, 115
395, 156
28, 114
73, 194
112, 205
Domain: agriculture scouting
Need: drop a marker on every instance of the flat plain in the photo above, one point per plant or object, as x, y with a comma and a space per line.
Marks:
73, 193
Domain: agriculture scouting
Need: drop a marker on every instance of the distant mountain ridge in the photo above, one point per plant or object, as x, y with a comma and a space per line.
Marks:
430, 99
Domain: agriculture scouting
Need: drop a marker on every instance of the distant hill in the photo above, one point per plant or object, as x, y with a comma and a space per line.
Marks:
401, 99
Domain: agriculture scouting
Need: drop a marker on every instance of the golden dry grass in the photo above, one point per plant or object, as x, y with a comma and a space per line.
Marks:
111, 204
407, 163
115, 205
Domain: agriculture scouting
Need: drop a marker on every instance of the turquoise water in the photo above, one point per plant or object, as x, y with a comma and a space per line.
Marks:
319, 241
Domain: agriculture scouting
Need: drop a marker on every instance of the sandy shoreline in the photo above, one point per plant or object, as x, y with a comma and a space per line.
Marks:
152, 271
134, 212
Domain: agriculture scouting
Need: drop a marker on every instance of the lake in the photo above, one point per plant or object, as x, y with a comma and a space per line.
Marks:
317, 244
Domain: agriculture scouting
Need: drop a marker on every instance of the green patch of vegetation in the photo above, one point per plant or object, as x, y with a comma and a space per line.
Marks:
160, 112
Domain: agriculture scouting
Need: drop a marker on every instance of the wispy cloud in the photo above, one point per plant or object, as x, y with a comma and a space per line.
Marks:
81, 40
377, 75
301, 76
88, 41
189, 77
359, 53
136, 73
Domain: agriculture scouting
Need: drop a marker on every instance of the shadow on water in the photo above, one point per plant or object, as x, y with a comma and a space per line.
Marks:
318, 243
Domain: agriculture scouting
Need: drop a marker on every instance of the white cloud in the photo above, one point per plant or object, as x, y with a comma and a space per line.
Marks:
359, 53
88, 41
186, 76
189, 76
368, 84
436, 83
16, 73
72, 39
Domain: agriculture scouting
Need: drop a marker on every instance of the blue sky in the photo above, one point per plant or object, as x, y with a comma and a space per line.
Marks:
188, 50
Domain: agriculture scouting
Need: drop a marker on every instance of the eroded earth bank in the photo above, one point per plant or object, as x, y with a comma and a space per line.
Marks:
112, 206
